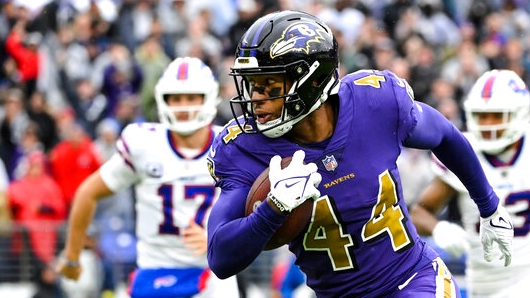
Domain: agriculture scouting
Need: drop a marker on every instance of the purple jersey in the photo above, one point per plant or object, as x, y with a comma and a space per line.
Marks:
370, 245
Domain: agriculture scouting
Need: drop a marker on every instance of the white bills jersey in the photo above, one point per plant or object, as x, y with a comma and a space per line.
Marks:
170, 191
511, 182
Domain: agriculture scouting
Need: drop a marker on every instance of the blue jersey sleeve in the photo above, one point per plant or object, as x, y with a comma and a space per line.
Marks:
433, 131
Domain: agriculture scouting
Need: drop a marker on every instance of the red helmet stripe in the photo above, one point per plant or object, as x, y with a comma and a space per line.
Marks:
182, 72
488, 86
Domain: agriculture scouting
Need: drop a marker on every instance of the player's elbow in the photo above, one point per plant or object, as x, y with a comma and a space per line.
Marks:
221, 269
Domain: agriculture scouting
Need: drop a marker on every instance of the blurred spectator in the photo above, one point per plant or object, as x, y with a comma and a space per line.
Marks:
343, 16
123, 76
23, 48
425, 67
128, 110
30, 142
174, 19
72, 53
224, 15
452, 111
438, 28
152, 60
135, 22
39, 114
463, 69
12, 128
492, 38
401, 67
73, 159
7, 258
248, 11
360, 55
199, 42
88, 104
439, 89
37, 204
384, 52
514, 59
107, 133
516, 19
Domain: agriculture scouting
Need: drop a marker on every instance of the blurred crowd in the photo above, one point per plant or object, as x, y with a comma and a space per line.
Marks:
75, 72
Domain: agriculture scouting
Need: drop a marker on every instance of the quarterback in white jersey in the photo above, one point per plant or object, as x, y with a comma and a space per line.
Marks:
166, 164
498, 115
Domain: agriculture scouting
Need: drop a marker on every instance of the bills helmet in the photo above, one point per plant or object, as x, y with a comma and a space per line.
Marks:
498, 91
187, 75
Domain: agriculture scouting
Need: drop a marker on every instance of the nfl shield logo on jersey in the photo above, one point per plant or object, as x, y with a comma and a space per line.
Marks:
330, 163
154, 169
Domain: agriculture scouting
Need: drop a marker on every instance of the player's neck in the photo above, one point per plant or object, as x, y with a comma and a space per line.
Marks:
316, 127
196, 140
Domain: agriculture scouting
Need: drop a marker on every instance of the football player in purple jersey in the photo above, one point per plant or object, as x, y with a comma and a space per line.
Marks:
345, 136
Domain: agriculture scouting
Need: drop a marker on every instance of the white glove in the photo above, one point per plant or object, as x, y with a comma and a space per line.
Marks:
497, 228
450, 237
294, 184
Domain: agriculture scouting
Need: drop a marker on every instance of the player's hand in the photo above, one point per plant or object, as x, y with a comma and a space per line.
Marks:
451, 237
294, 184
195, 238
70, 270
497, 228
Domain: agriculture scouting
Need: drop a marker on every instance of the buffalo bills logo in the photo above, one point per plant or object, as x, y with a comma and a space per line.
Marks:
517, 88
298, 37
164, 281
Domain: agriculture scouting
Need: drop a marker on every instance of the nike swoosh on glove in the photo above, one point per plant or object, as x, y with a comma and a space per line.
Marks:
497, 228
294, 184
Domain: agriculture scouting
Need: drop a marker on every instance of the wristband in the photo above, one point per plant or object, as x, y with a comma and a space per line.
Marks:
69, 263
278, 204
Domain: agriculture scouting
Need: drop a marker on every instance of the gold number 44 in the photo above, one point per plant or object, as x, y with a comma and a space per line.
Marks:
325, 232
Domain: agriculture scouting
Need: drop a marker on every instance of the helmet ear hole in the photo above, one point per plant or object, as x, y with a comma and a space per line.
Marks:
295, 106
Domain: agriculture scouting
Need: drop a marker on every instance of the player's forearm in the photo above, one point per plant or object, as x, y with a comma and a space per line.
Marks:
458, 156
81, 215
423, 220
83, 208
233, 245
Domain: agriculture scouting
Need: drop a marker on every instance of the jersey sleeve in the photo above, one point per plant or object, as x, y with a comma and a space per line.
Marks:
406, 105
119, 172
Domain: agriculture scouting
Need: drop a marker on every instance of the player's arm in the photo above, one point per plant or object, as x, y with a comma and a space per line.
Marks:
91, 190
228, 228
449, 236
433, 131
431, 201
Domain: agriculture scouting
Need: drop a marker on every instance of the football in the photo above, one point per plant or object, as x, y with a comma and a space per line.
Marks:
295, 222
